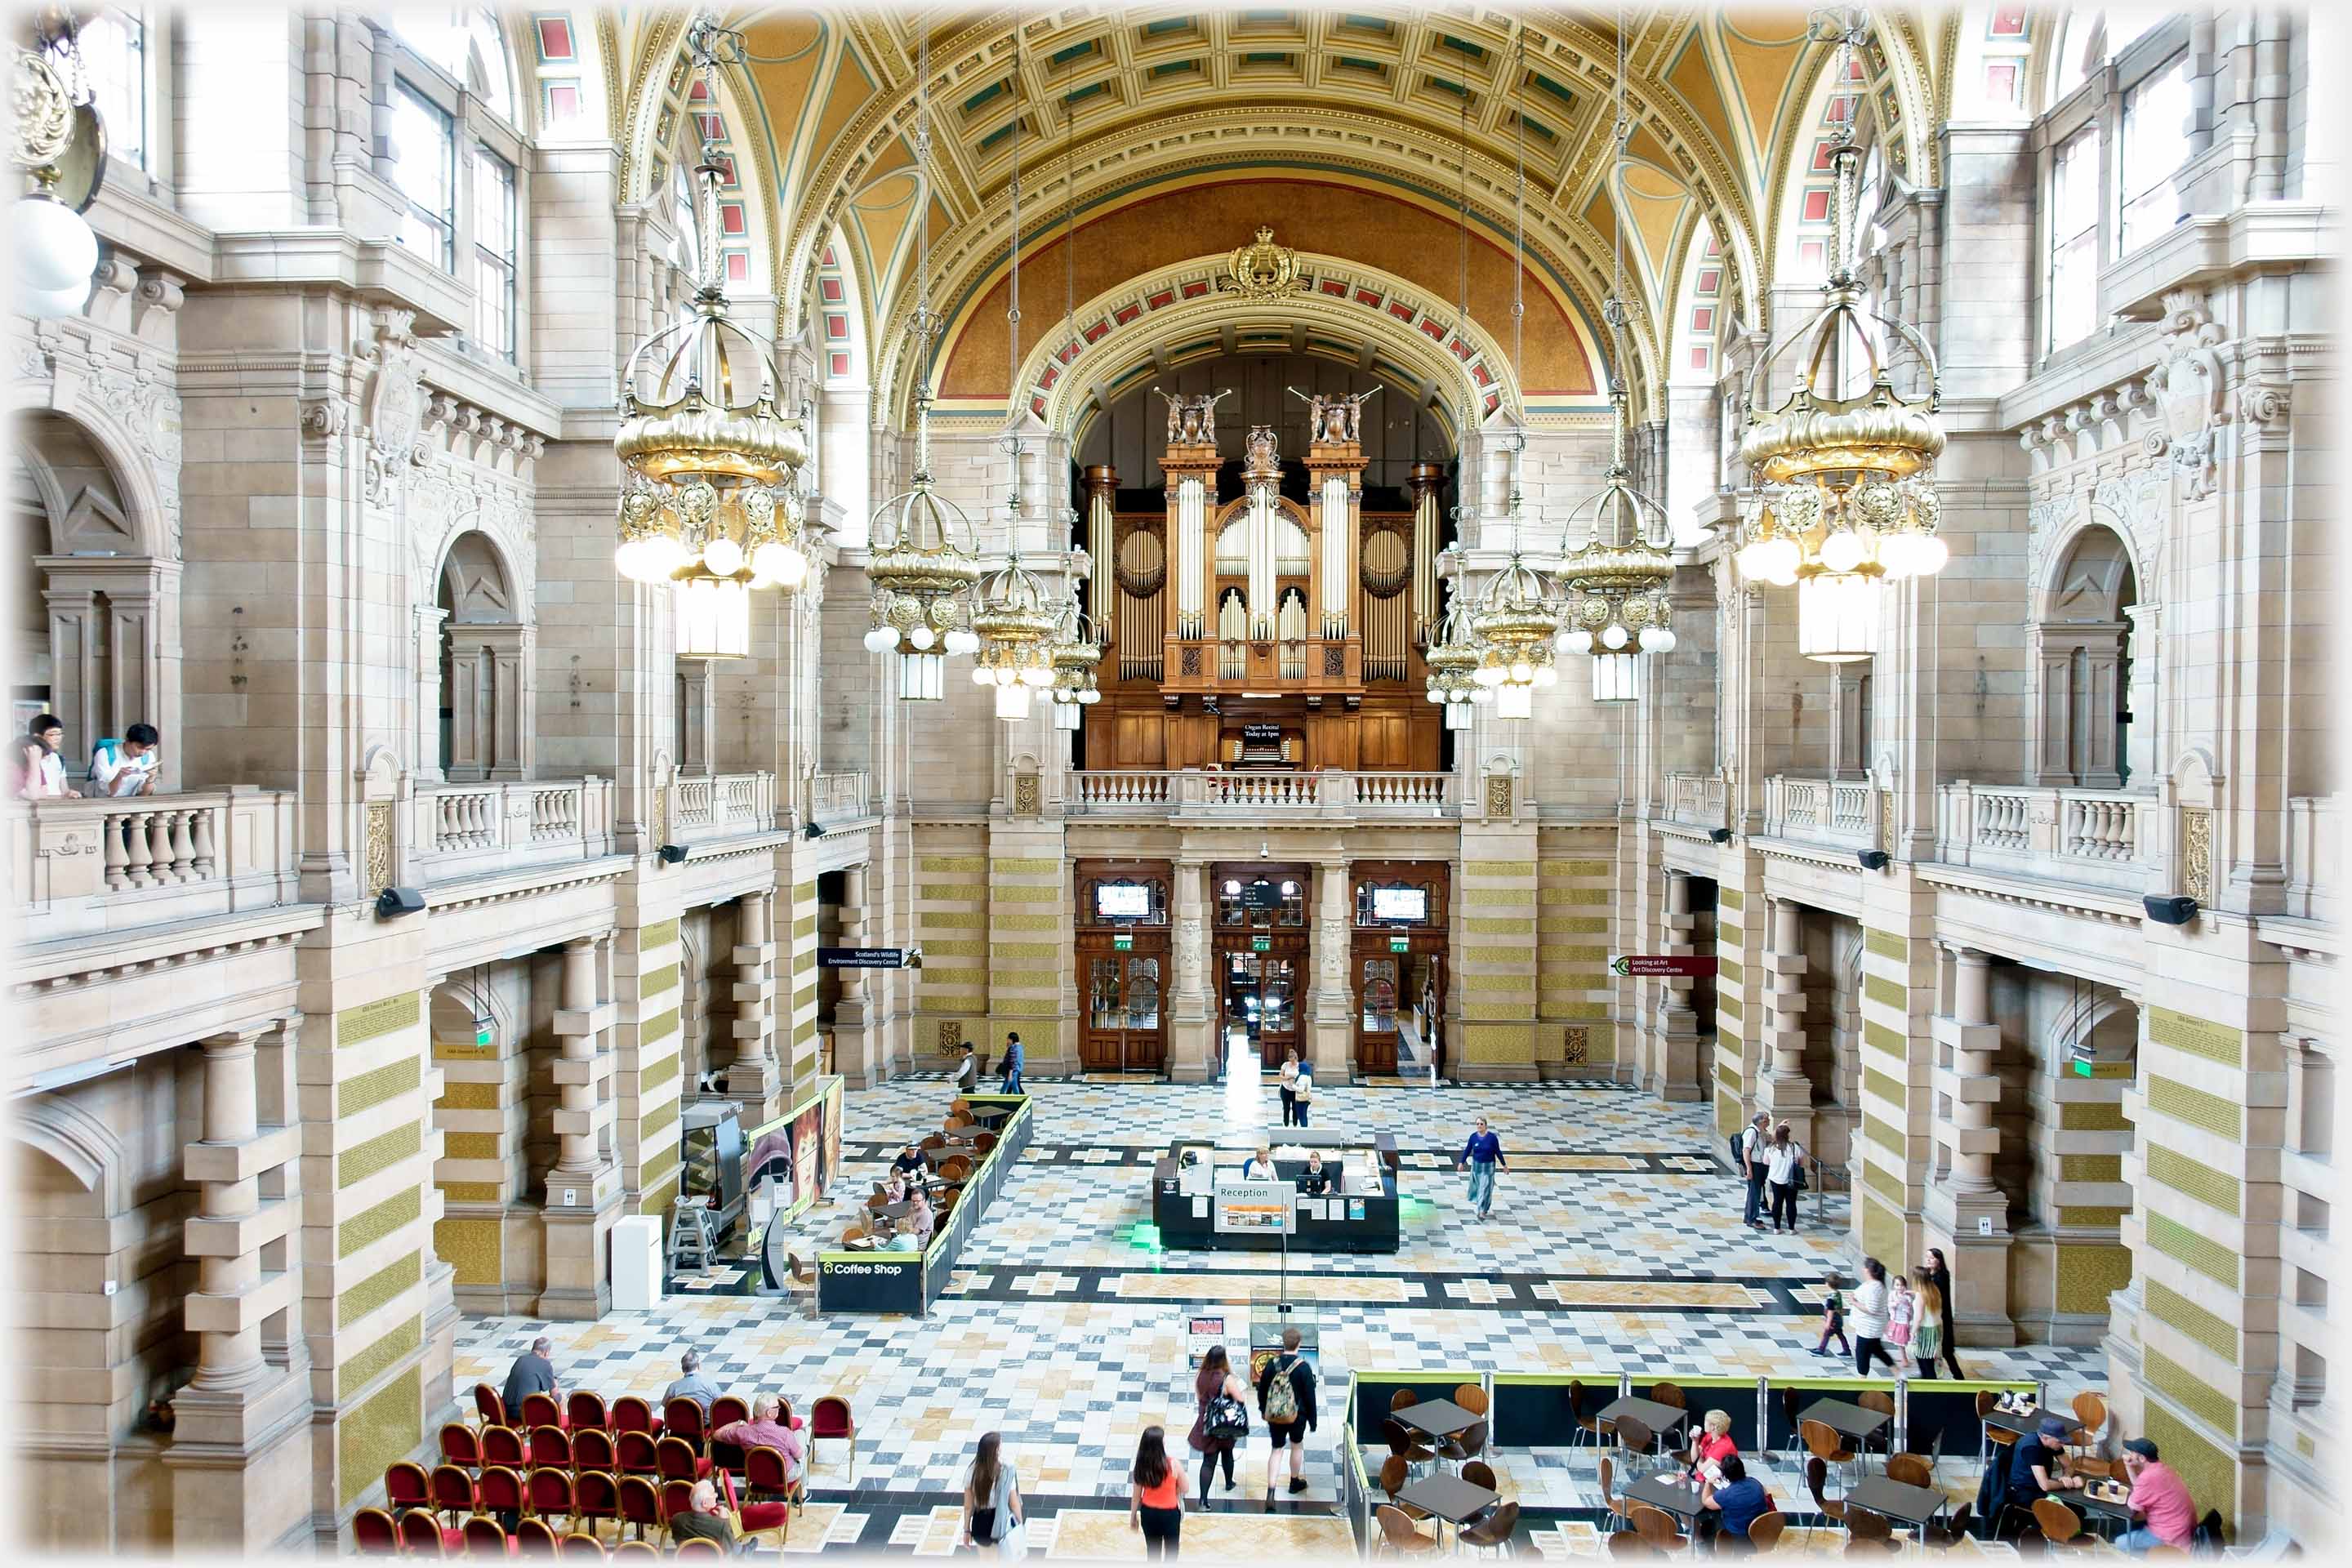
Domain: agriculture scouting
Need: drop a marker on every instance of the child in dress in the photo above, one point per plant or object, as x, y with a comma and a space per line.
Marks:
1902, 1311
1832, 1318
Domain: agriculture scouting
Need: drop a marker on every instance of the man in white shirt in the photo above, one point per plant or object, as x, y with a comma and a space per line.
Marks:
1754, 1151
126, 767
45, 770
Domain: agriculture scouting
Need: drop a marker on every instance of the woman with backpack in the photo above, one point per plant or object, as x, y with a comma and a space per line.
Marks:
991, 1502
1285, 1397
1223, 1419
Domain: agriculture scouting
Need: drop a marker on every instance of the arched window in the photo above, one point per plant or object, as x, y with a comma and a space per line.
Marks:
112, 43
466, 42
2092, 38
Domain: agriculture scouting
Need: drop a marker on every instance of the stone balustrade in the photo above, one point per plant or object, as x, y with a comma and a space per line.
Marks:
1695, 800
722, 805
459, 830
1822, 811
2098, 838
841, 796
1194, 794
82, 865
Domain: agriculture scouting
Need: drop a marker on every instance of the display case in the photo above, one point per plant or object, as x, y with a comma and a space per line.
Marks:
713, 1134
1360, 1215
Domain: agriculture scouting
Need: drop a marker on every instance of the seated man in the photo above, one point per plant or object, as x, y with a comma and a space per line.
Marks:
702, 1518
768, 1429
533, 1372
909, 1163
2034, 1469
2159, 1499
692, 1384
920, 1221
1318, 1180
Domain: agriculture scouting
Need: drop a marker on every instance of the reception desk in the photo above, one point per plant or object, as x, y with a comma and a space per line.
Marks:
1197, 1201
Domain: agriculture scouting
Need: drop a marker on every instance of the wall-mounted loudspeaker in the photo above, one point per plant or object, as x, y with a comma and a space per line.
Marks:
671, 854
395, 902
1720, 834
1874, 859
2172, 912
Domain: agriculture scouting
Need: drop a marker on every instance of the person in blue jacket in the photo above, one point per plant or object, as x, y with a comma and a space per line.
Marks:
1482, 1156
1011, 1066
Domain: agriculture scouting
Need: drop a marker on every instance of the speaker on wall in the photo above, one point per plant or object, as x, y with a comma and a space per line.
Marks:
1720, 834
395, 902
2173, 911
1874, 859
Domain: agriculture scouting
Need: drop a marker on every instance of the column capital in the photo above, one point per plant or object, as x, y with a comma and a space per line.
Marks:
243, 1039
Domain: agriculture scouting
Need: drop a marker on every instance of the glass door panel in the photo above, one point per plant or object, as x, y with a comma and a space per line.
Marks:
1379, 996
1143, 995
1104, 1008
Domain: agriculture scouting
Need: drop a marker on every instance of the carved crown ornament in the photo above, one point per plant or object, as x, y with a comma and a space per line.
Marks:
1261, 269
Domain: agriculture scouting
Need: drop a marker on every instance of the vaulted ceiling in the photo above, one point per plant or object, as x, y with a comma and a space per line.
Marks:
1341, 118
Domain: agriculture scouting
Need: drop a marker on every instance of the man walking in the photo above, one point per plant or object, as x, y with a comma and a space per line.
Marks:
1755, 1158
1285, 1397
1482, 1156
1011, 1066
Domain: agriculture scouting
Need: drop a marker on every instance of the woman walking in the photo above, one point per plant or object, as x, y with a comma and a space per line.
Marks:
1155, 1496
1928, 1330
1943, 1273
1223, 1419
1870, 1319
1289, 1087
991, 1502
1782, 1164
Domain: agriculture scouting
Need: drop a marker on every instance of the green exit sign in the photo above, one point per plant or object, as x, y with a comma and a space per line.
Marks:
482, 1032
1399, 944
1123, 942
1261, 944
2083, 1066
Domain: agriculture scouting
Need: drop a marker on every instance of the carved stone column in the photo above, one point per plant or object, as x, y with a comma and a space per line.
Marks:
1785, 1094
470, 706
1675, 1024
696, 715
583, 1189
508, 652
755, 1076
1331, 1045
426, 623
1193, 1048
1967, 1213
858, 1047
225, 1237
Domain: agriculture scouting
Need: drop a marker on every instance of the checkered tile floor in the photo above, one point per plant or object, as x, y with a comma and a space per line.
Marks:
1612, 1246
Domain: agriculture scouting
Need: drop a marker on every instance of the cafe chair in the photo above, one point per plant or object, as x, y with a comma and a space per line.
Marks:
461, 1445
485, 1538
534, 1538
373, 1534
505, 1446
1634, 1441
586, 1412
1657, 1527
636, 1552
1402, 1398
1911, 1470
421, 1535
541, 1410
580, 1548
637, 1454
695, 1547
1471, 1398
2082, 1456
640, 1504
2090, 1411
984, 1144
550, 1446
1667, 1393
683, 1419
1404, 1445
1764, 1530
766, 1475
1621, 1512
1628, 1544
933, 1140
1991, 1438
1398, 1534
1587, 1428
405, 1486
1464, 1446
830, 1418
2061, 1525
1791, 1402
1822, 1442
1395, 1475
551, 1492
1950, 1534
1492, 1530
1817, 1475
1478, 1473
591, 1453
674, 1459
959, 1106
955, 1168
1884, 1404
1861, 1524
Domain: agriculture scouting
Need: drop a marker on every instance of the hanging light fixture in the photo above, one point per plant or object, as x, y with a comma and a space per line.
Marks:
1845, 489
1453, 655
1074, 651
1616, 584
926, 560
710, 499
1514, 619
58, 144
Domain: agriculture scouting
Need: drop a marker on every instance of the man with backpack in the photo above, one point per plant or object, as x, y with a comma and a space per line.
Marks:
1755, 1152
1285, 1397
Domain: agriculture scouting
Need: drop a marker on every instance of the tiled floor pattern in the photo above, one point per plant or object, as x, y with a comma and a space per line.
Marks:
1612, 1247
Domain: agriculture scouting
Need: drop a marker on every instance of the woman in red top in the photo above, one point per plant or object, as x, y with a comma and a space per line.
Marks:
1155, 1496
1714, 1446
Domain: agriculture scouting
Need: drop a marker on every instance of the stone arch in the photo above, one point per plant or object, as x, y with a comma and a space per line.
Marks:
655, 124
2103, 1021
483, 674
461, 1002
79, 1146
2082, 657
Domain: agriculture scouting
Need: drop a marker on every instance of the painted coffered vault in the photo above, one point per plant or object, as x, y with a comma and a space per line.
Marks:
1338, 124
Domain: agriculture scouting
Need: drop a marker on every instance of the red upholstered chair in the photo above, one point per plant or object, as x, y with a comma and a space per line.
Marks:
694, 1548
682, 1418
585, 1410
541, 1410
726, 1455
591, 1449
640, 1505
550, 1446
488, 1408
752, 1518
461, 1445
636, 1455
677, 1498
534, 1538
375, 1534
637, 1552
453, 1492
594, 1496
765, 1474
405, 1486
504, 1445
832, 1417
727, 1409
676, 1461
551, 1493
500, 1491
631, 1413
423, 1536
483, 1538
580, 1549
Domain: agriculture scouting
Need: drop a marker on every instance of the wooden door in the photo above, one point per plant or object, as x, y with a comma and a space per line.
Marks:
1123, 1026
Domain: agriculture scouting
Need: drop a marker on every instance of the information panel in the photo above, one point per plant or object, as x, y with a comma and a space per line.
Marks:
1253, 1208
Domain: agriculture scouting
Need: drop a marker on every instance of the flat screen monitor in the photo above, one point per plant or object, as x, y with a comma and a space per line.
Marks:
1400, 904
1122, 902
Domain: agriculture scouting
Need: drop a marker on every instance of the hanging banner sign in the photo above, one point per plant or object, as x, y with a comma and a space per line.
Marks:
861, 958
1676, 965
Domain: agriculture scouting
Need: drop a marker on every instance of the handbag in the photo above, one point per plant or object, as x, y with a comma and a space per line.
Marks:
1014, 1544
1227, 1420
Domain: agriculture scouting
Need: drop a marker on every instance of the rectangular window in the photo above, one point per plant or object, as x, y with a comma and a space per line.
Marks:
424, 153
112, 42
494, 252
2154, 145
2074, 301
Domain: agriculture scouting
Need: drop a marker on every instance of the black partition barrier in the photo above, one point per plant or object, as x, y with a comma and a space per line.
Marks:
1735, 1396
1939, 1416
1537, 1410
908, 1282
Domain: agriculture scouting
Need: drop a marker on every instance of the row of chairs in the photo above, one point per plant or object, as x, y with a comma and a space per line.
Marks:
419, 1534
830, 1419
583, 1501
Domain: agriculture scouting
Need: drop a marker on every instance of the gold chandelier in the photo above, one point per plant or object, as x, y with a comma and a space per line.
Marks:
1616, 608
1076, 651
1454, 655
1845, 492
926, 554
711, 498
1014, 623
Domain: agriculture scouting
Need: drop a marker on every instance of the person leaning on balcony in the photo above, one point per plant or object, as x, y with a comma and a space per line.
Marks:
127, 767
41, 773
